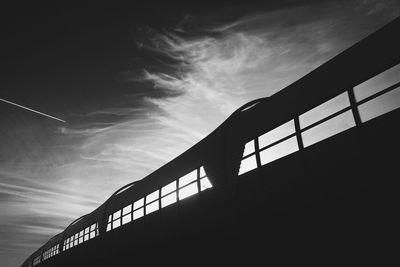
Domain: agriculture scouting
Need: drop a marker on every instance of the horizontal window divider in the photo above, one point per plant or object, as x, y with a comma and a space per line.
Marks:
277, 142
337, 113
170, 193
245, 157
382, 92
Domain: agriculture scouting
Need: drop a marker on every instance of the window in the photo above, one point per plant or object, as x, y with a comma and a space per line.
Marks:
377, 83
80, 237
127, 214
248, 164
278, 151
380, 105
322, 111
328, 128
189, 184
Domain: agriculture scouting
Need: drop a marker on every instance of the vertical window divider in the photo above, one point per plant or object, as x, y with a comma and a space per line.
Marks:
198, 181
257, 152
354, 107
298, 132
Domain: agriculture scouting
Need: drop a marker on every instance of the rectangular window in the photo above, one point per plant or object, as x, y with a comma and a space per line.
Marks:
92, 234
248, 164
276, 134
126, 219
324, 110
168, 200
188, 178
380, 105
377, 83
138, 204
168, 188
188, 191
127, 209
152, 207
151, 197
328, 128
138, 213
278, 151
116, 215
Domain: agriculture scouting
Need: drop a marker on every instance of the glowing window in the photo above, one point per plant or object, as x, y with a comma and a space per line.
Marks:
278, 151
126, 219
248, 164
329, 128
168, 188
202, 172
138, 213
117, 214
276, 134
188, 178
248, 148
205, 184
188, 191
152, 207
324, 110
168, 200
127, 209
138, 204
380, 105
378, 83
116, 224
153, 196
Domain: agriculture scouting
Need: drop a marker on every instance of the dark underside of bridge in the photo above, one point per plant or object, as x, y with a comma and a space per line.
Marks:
335, 202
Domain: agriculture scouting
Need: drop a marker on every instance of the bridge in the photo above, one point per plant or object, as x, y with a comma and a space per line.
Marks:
308, 175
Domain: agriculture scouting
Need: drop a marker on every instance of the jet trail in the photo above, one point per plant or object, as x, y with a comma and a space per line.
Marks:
38, 112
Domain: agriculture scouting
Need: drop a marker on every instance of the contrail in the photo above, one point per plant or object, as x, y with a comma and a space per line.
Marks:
38, 112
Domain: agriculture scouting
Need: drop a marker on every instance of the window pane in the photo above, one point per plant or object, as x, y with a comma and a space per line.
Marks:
276, 134
248, 164
188, 191
378, 83
151, 197
191, 176
278, 151
126, 219
152, 207
324, 110
127, 209
92, 235
202, 172
116, 215
86, 238
168, 188
168, 200
93, 227
205, 183
138, 213
380, 105
139, 203
248, 148
81, 240
329, 128
116, 224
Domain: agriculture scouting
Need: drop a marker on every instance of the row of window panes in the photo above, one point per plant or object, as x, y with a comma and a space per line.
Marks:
51, 252
339, 123
82, 236
36, 260
188, 185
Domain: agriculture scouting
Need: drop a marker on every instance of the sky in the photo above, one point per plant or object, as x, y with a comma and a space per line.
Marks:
138, 83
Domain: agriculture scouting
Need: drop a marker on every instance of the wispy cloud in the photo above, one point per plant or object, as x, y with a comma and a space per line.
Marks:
204, 79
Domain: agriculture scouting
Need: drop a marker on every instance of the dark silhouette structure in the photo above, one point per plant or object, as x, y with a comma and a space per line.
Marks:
308, 175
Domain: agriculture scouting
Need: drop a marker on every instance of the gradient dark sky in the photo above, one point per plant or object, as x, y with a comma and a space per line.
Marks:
138, 84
